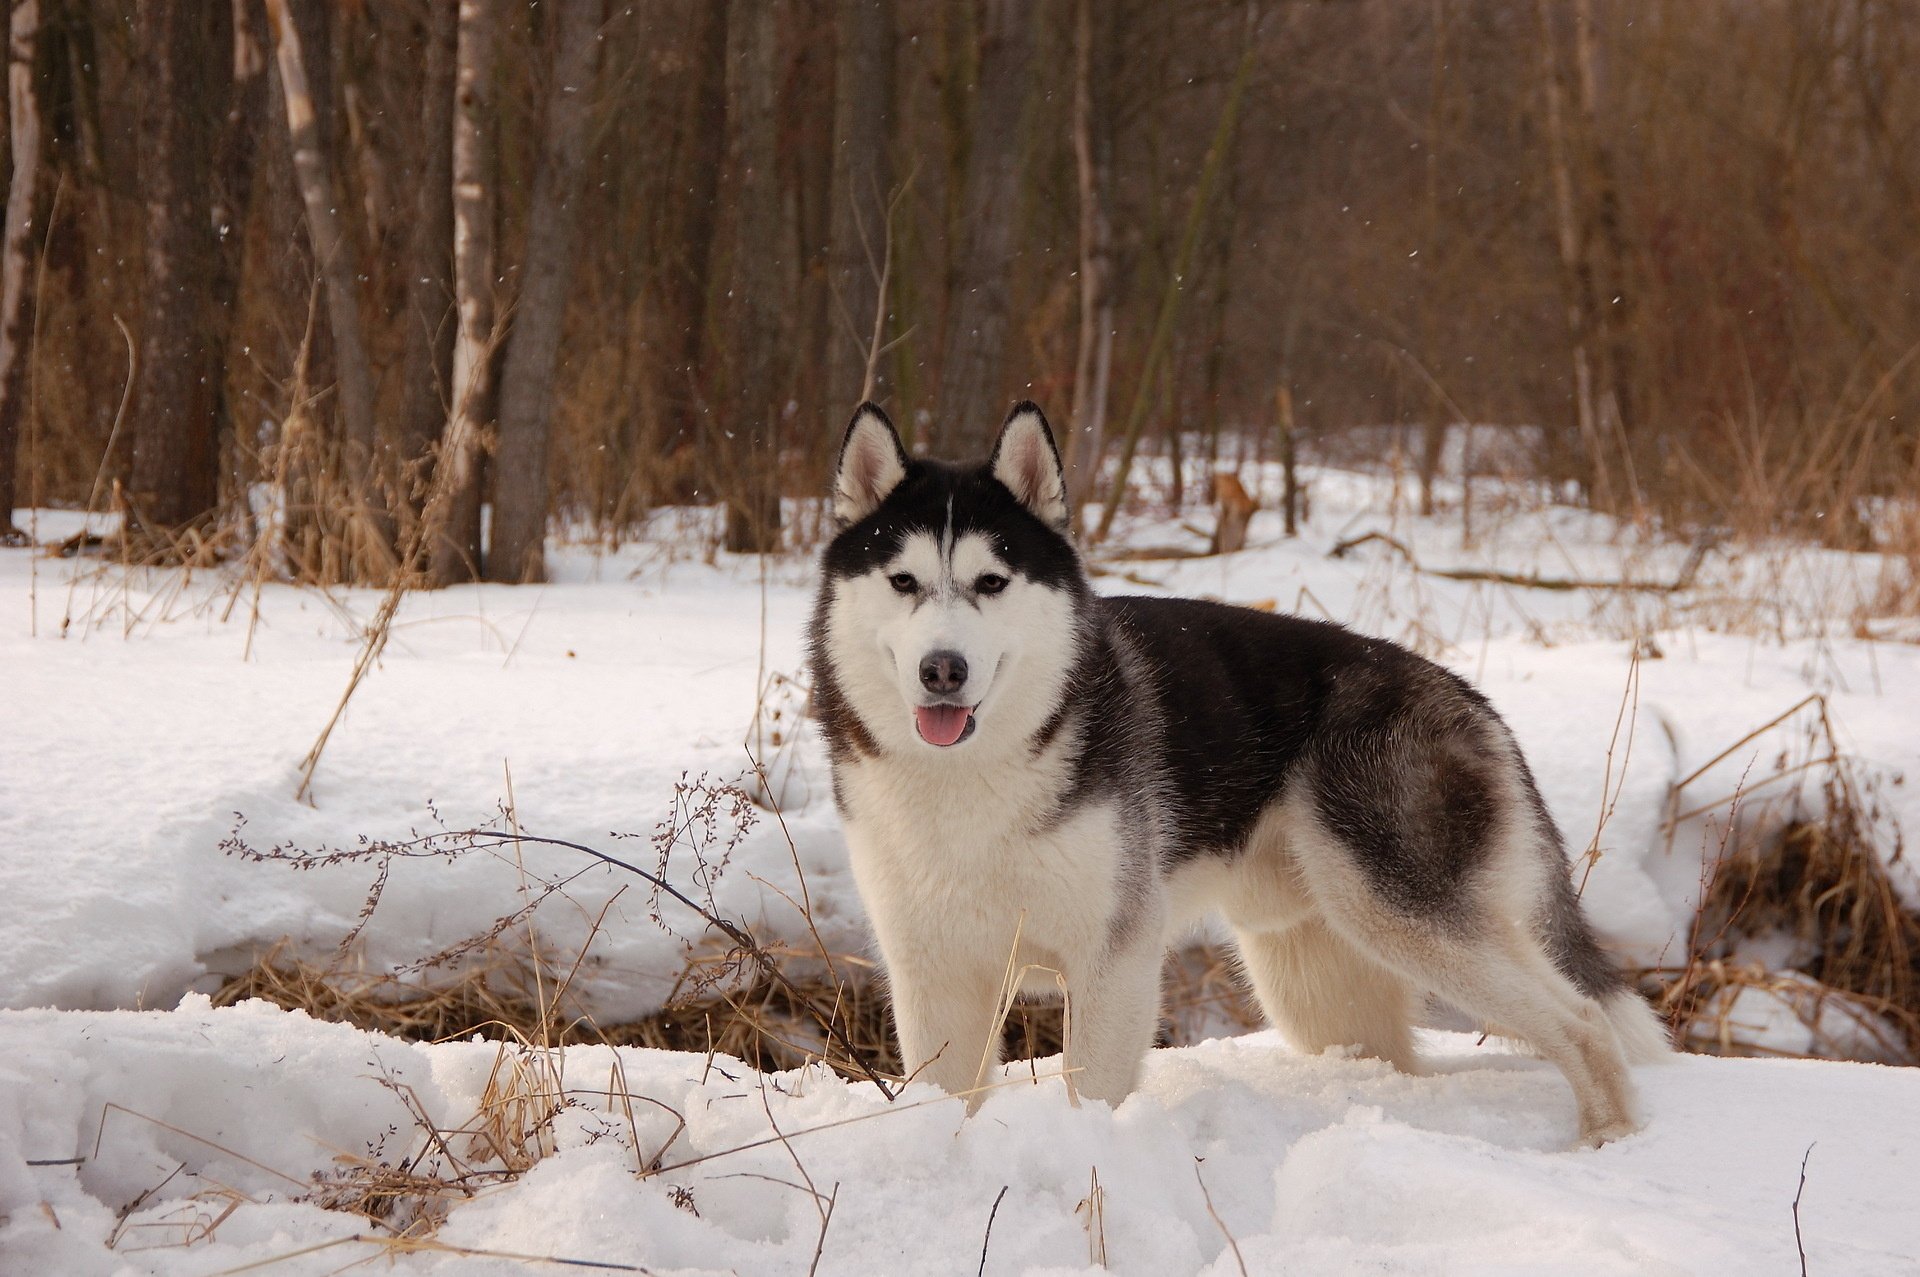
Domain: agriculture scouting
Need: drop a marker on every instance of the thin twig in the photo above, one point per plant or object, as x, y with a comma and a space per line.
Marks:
1238, 1259
988, 1235
1798, 1244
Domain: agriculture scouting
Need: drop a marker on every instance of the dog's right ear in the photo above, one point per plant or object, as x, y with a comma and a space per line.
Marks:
872, 464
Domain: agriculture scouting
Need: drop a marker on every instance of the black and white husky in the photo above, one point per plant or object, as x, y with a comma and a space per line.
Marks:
1044, 786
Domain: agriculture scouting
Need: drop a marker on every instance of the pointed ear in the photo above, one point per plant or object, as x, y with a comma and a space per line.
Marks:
1026, 460
872, 464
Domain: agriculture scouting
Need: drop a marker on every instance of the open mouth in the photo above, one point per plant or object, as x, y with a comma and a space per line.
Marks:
943, 725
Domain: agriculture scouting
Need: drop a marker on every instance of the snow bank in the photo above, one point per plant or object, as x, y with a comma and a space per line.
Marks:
1314, 1164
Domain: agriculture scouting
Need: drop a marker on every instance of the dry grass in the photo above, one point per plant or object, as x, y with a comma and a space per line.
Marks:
1802, 876
765, 1025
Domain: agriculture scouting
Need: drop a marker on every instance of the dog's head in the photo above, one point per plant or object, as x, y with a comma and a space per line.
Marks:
947, 615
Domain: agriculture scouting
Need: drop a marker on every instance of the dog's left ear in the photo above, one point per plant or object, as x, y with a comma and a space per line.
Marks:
1026, 460
872, 464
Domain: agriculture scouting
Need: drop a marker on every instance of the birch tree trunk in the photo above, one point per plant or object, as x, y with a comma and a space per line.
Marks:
176, 477
973, 362
453, 518
748, 445
337, 258
428, 367
516, 550
1093, 169
863, 111
18, 251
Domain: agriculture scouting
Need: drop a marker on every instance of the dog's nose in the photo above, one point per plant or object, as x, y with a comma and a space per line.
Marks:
943, 673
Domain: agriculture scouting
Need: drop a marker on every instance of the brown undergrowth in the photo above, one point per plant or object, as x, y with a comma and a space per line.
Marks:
1800, 916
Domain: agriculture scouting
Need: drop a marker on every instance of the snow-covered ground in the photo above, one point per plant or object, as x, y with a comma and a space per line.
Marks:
145, 717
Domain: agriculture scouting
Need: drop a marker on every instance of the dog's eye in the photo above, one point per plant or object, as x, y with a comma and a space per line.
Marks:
903, 582
991, 583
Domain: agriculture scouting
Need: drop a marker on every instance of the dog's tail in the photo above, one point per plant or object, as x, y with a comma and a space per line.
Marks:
1642, 1035
1570, 941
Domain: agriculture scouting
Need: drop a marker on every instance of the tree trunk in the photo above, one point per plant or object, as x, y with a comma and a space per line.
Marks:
176, 478
863, 109
806, 104
234, 162
1605, 240
338, 260
1160, 343
428, 366
693, 218
748, 445
973, 375
452, 521
18, 251
1093, 169
1577, 286
516, 549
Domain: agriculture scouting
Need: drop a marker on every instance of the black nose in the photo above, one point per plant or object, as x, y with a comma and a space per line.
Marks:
943, 673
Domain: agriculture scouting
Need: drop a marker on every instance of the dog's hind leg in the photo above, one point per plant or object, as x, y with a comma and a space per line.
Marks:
1320, 992
1511, 984
1496, 969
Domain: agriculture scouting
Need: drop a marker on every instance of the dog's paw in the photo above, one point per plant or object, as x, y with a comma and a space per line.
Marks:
1595, 1134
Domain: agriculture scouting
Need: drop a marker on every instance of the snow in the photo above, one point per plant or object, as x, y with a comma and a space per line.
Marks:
146, 715
1314, 1164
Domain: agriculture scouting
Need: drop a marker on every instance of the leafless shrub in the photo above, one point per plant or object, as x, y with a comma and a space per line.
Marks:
1803, 874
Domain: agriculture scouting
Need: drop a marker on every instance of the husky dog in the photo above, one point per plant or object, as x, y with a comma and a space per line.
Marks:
1042, 787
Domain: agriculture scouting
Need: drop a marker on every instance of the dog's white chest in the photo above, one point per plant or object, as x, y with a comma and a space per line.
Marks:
969, 861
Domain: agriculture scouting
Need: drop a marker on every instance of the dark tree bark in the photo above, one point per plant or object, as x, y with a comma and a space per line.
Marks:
452, 520
973, 375
18, 251
863, 110
338, 259
233, 169
808, 138
691, 227
516, 550
748, 445
187, 63
1093, 170
428, 316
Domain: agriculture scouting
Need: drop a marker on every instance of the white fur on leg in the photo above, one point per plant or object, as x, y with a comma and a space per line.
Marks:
1321, 992
947, 1025
1113, 1014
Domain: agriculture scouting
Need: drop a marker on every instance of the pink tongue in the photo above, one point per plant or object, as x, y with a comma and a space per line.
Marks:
941, 724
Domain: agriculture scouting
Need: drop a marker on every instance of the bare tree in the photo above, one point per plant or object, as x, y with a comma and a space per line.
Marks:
18, 250
234, 161
973, 372
863, 109
186, 63
747, 445
689, 227
1093, 171
427, 367
516, 549
453, 519
338, 260
1576, 270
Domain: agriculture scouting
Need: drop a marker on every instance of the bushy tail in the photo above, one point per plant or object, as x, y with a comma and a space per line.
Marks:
1642, 1035
1570, 942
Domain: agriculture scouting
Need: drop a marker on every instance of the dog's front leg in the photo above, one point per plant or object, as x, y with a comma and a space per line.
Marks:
1113, 1013
944, 1013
